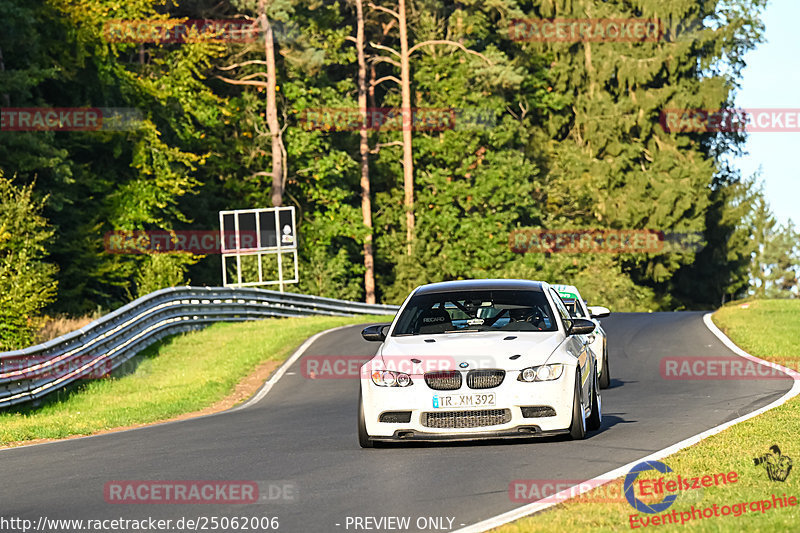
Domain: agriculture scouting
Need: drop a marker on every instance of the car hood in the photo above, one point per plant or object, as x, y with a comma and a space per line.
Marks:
452, 351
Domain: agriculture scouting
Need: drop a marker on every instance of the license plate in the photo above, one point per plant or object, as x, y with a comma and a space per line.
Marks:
455, 401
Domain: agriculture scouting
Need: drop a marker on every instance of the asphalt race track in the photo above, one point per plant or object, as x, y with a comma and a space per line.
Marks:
303, 435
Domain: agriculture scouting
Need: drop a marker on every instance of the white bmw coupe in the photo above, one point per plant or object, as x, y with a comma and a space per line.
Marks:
479, 359
597, 339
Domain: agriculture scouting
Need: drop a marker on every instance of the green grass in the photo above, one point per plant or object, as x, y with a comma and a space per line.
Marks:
769, 329
179, 375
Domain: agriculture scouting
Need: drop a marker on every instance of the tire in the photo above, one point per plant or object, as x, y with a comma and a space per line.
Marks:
577, 430
363, 436
605, 375
595, 419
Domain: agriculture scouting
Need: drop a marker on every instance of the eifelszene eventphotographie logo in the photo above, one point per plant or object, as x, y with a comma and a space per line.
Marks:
636, 503
778, 466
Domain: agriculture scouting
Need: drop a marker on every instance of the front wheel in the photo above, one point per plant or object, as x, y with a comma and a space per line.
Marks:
577, 430
363, 436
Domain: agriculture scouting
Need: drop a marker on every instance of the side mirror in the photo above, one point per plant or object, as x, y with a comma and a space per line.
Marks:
599, 312
581, 326
375, 333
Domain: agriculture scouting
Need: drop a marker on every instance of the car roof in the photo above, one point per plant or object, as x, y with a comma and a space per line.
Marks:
481, 285
570, 291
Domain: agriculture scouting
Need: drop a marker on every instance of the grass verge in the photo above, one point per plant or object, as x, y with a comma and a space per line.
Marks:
182, 374
767, 329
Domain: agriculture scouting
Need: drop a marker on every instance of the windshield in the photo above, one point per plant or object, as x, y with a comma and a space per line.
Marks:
574, 308
469, 311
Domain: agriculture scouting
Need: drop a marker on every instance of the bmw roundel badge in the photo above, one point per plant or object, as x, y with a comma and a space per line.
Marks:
463, 365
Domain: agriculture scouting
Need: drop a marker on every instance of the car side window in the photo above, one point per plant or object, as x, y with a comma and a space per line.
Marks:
562, 310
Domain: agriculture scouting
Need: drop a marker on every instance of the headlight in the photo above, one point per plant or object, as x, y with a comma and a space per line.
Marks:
387, 378
541, 373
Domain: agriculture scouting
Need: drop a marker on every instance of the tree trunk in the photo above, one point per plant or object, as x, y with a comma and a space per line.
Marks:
408, 158
366, 202
272, 109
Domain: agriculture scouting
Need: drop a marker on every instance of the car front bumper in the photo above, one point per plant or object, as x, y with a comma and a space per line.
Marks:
510, 397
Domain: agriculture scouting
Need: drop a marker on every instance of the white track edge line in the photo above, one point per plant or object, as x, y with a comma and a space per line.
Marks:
254, 399
283, 368
602, 479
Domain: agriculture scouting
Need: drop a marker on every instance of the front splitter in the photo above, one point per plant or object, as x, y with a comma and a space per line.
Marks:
519, 432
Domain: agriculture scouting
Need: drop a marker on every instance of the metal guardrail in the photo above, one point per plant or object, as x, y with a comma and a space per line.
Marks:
108, 342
